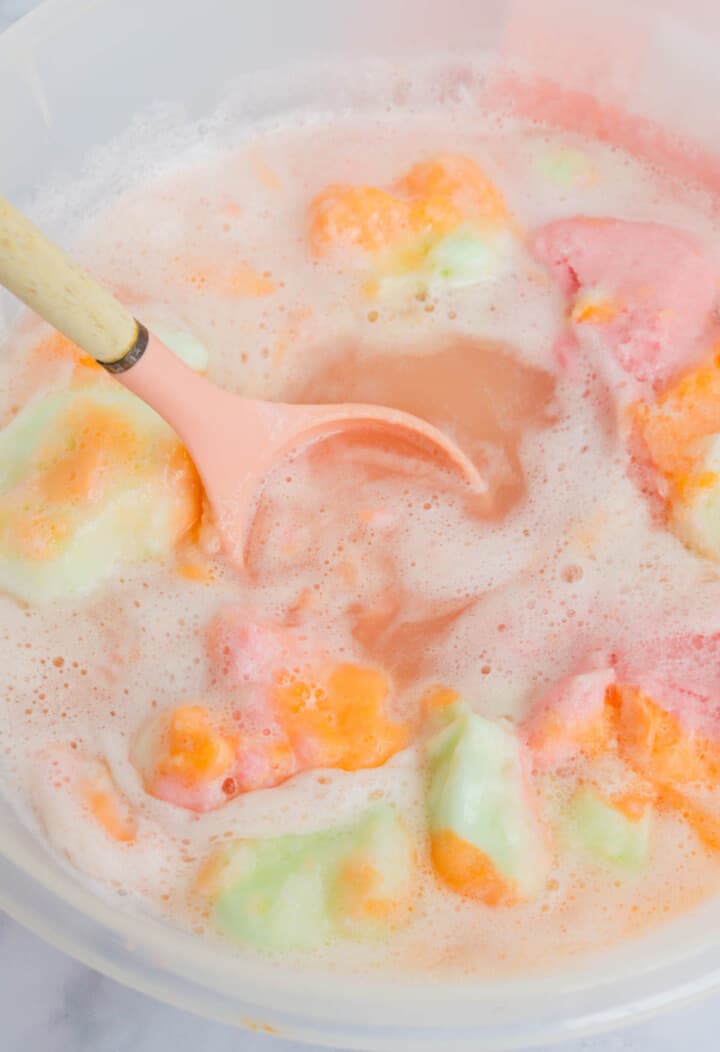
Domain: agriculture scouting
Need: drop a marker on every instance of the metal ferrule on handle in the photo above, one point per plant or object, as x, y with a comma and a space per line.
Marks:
41, 275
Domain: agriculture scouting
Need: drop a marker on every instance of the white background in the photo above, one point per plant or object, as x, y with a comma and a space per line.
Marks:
49, 1003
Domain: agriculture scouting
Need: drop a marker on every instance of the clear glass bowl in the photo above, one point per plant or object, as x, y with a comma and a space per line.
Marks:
73, 74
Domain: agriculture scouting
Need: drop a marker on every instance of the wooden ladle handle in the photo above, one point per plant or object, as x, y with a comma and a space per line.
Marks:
42, 276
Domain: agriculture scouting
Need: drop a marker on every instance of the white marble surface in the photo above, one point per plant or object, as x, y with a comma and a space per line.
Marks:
50, 1003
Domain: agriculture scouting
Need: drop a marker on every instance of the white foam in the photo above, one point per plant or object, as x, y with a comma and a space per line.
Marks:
577, 563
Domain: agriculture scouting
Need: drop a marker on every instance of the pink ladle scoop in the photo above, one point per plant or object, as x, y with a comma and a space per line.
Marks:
233, 441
